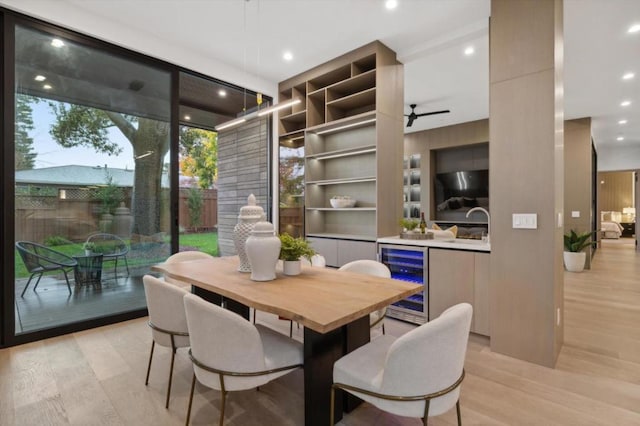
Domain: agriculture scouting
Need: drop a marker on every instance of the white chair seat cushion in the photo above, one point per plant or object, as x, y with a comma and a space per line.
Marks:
363, 367
376, 315
279, 350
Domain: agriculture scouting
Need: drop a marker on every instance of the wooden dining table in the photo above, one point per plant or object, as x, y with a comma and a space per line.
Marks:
333, 306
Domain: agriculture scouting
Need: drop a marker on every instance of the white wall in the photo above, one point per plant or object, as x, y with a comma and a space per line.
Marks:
618, 158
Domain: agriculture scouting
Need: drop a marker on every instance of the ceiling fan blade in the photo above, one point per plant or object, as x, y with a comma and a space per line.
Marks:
433, 113
410, 122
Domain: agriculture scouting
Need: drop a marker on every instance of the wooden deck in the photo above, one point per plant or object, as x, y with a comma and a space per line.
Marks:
97, 376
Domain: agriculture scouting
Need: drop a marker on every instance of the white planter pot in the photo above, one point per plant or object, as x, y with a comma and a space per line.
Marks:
291, 267
574, 262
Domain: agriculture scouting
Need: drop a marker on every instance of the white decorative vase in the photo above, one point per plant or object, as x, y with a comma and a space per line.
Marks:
249, 216
574, 262
291, 267
263, 250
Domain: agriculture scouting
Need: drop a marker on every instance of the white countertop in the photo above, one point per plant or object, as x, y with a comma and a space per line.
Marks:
457, 244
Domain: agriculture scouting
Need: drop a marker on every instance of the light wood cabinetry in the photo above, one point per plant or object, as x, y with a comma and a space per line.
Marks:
350, 117
457, 276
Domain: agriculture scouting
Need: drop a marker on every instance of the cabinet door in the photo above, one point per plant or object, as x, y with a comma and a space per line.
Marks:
355, 250
327, 247
481, 295
451, 276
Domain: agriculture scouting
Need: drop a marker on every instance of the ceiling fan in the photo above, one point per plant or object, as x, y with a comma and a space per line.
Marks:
413, 116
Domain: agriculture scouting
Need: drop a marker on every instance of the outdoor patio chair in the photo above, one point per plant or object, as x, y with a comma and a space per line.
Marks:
112, 248
40, 259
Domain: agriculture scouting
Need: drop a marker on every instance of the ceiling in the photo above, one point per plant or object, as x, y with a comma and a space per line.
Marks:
429, 37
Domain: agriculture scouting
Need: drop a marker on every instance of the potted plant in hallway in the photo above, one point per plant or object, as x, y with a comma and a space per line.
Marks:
574, 244
291, 250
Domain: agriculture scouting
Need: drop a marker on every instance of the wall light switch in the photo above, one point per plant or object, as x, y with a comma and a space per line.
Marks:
575, 213
525, 221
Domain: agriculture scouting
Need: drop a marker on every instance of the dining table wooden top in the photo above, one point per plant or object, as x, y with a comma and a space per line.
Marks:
321, 299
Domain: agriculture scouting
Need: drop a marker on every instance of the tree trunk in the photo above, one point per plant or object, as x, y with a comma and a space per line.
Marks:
150, 145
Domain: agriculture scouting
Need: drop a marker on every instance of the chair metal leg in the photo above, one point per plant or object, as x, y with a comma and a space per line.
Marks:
153, 344
193, 386
223, 403
383, 332
38, 281
66, 277
127, 265
425, 419
290, 329
27, 286
458, 411
115, 268
333, 401
173, 357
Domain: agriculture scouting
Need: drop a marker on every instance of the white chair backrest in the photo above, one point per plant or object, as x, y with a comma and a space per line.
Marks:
166, 310
318, 260
187, 255
369, 267
184, 256
430, 358
223, 340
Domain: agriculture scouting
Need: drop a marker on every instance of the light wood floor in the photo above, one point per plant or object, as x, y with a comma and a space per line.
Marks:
97, 377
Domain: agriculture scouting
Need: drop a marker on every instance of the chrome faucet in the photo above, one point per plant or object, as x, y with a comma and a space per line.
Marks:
488, 219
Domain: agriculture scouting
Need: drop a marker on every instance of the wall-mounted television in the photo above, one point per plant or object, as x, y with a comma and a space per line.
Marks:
461, 190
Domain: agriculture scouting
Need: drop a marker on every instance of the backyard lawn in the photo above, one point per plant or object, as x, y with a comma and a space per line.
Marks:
205, 242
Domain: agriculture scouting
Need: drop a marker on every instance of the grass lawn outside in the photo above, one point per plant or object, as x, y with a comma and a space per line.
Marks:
205, 242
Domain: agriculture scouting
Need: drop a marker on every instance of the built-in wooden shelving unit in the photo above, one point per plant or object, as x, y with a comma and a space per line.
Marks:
350, 116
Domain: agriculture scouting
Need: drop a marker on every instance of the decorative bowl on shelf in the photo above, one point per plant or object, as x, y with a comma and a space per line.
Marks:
342, 202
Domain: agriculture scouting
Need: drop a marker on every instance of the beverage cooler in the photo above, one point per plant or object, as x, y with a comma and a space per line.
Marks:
407, 263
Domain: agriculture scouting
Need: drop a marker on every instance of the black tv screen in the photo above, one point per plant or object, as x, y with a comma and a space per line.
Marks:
461, 189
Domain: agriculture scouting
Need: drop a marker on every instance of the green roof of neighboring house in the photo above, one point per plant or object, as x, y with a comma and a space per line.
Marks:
74, 175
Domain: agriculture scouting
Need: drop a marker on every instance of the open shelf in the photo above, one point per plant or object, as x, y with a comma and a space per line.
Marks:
296, 117
360, 83
349, 209
327, 155
341, 181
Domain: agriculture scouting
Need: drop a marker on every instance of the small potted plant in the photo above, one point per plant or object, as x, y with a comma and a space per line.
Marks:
89, 248
574, 244
291, 250
408, 225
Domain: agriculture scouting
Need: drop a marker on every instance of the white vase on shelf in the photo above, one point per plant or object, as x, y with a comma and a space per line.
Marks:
247, 219
263, 250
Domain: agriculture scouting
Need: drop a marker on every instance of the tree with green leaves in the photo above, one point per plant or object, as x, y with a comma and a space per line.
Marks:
24, 155
199, 155
194, 205
78, 125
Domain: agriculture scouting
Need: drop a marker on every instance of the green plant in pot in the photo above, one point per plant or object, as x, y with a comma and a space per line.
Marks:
89, 248
408, 224
291, 251
574, 245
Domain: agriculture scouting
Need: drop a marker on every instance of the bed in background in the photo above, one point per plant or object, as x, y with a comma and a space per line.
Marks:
610, 225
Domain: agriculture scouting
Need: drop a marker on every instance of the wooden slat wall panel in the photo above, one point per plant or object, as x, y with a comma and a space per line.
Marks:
616, 190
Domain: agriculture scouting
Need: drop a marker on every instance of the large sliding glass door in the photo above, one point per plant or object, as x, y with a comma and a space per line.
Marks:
92, 192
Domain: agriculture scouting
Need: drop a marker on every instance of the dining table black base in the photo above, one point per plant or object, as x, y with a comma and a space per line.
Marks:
321, 351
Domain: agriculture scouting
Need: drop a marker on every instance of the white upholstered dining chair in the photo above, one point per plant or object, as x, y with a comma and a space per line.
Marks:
416, 375
166, 319
230, 353
370, 267
185, 256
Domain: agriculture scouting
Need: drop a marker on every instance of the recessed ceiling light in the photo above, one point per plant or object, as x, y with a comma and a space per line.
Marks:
634, 28
56, 42
620, 138
391, 4
628, 76
622, 122
287, 56
625, 103
187, 117
47, 87
40, 78
222, 93
469, 51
